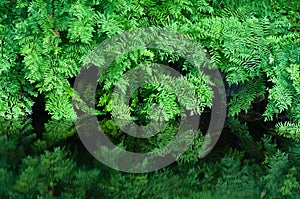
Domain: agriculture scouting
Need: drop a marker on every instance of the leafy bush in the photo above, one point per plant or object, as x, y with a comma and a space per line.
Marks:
255, 45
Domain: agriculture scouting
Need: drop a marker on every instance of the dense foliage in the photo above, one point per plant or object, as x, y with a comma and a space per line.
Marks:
255, 44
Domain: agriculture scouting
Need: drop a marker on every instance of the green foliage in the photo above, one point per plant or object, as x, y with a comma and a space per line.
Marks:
6, 180
52, 38
255, 44
289, 130
53, 175
236, 181
40, 59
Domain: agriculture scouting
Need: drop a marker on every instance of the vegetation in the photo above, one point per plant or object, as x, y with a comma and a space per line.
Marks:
255, 45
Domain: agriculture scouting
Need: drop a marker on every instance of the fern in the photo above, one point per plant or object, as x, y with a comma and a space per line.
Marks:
289, 130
